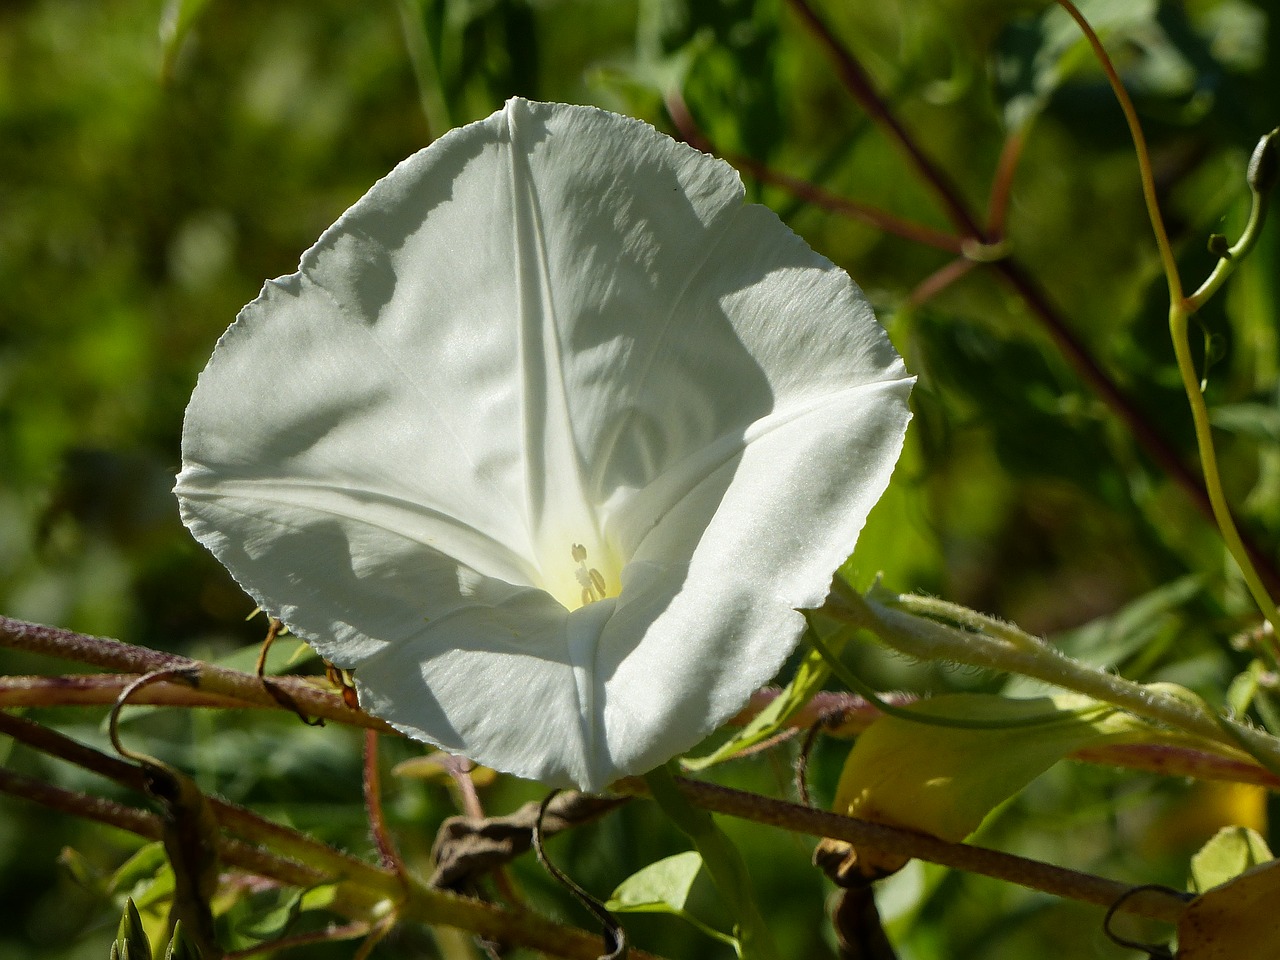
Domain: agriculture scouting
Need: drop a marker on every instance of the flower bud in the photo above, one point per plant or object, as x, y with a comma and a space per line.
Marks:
1264, 166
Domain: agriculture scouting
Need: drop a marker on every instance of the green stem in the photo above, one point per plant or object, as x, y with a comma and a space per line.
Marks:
1179, 315
1180, 312
723, 862
926, 639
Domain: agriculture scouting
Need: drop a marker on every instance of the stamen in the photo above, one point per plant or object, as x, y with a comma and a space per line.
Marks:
592, 580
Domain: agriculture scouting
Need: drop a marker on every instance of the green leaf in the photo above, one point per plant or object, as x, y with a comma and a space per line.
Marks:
269, 913
1036, 56
661, 887
1230, 852
145, 865
668, 886
175, 23
82, 871
1259, 421
1113, 638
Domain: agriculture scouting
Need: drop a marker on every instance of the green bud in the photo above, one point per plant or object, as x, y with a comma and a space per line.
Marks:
181, 947
1264, 165
131, 940
1219, 246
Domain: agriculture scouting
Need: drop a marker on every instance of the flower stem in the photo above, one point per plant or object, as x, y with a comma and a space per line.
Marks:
723, 862
906, 631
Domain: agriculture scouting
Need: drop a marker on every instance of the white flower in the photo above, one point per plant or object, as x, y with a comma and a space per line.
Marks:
547, 439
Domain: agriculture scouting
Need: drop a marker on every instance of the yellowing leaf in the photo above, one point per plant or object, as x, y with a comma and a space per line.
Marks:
943, 780
1235, 920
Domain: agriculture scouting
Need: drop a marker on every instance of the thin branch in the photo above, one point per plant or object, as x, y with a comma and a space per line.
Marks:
98, 809
939, 280
689, 131
1002, 183
364, 898
101, 689
372, 786
1166, 457
1058, 881
860, 87
244, 687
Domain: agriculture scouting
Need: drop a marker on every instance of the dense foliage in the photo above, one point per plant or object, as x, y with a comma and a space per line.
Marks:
154, 170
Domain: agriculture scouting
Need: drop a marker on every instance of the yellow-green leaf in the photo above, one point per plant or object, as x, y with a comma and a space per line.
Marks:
1230, 852
1234, 920
944, 780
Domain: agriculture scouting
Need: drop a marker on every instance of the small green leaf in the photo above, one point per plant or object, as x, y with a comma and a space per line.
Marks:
1260, 421
1113, 638
152, 893
1230, 852
944, 780
84, 873
661, 887
175, 23
1244, 687
667, 886
270, 913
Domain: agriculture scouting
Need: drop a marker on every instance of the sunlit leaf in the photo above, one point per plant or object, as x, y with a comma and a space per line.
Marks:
1229, 853
944, 780
666, 886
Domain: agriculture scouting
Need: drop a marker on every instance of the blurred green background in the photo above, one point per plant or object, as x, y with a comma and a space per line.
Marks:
158, 162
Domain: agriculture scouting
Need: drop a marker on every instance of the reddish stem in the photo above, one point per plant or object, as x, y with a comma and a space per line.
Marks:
689, 131
387, 852
218, 681
1164, 454
1002, 183
860, 87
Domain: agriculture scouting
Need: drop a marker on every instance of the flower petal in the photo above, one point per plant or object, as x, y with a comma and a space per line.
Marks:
552, 331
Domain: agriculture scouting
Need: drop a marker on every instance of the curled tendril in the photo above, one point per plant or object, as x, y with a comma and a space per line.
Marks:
1155, 951
615, 938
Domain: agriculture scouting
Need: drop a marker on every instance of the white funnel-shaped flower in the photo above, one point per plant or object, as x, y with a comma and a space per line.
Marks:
547, 439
